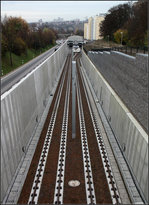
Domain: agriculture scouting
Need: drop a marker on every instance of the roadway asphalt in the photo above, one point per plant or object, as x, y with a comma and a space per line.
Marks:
12, 78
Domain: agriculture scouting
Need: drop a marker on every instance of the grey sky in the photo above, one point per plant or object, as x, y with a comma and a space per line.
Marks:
32, 11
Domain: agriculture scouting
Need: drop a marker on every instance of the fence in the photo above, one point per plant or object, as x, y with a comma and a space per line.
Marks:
125, 49
131, 50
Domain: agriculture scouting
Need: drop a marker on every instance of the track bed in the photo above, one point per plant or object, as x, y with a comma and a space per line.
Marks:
65, 169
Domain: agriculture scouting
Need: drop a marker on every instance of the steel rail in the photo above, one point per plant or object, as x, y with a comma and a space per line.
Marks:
102, 149
59, 186
35, 191
89, 185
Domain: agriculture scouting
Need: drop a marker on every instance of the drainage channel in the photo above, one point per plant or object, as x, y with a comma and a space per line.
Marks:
89, 185
35, 191
106, 164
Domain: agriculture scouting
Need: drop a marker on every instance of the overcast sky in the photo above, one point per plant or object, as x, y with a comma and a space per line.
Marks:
32, 11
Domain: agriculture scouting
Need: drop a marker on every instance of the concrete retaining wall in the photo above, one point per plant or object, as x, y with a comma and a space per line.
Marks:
21, 110
129, 133
128, 77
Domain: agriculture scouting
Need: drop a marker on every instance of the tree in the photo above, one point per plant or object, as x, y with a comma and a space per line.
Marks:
121, 36
146, 37
41, 38
13, 28
4, 45
19, 46
137, 25
130, 17
51, 36
16, 36
79, 32
33, 40
55, 34
48, 36
115, 19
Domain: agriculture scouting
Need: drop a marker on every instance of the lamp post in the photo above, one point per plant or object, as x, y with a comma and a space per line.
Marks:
108, 40
121, 37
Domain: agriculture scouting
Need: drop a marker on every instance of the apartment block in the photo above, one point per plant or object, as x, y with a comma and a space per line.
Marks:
92, 28
85, 31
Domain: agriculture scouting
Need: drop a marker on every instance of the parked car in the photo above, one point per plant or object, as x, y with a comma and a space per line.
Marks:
56, 48
70, 43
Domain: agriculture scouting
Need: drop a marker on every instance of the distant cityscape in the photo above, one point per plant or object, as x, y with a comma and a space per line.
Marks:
60, 25
89, 28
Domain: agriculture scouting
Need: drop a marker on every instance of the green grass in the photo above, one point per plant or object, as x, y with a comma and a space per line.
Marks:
19, 60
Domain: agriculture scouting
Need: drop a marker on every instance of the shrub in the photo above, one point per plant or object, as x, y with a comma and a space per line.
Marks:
121, 35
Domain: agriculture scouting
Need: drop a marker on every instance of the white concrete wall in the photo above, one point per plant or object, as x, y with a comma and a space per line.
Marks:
128, 76
20, 108
127, 130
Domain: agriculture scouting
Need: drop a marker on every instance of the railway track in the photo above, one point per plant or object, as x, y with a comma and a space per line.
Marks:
65, 169
59, 187
102, 150
34, 195
90, 192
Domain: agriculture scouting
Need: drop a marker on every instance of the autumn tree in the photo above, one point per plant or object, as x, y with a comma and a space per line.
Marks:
115, 19
130, 17
79, 32
52, 36
55, 34
137, 24
4, 45
48, 36
17, 36
33, 40
121, 36
41, 38
15, 30
19, 46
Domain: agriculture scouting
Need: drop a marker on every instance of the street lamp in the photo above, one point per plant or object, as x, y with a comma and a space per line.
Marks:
121, 37
108, 39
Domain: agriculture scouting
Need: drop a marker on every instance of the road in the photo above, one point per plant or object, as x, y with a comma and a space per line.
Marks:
12, 78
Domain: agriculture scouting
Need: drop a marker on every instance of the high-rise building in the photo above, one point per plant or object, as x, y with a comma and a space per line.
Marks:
85, 30
92, 28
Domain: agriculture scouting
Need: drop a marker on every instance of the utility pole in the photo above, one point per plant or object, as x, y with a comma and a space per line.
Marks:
108, 41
